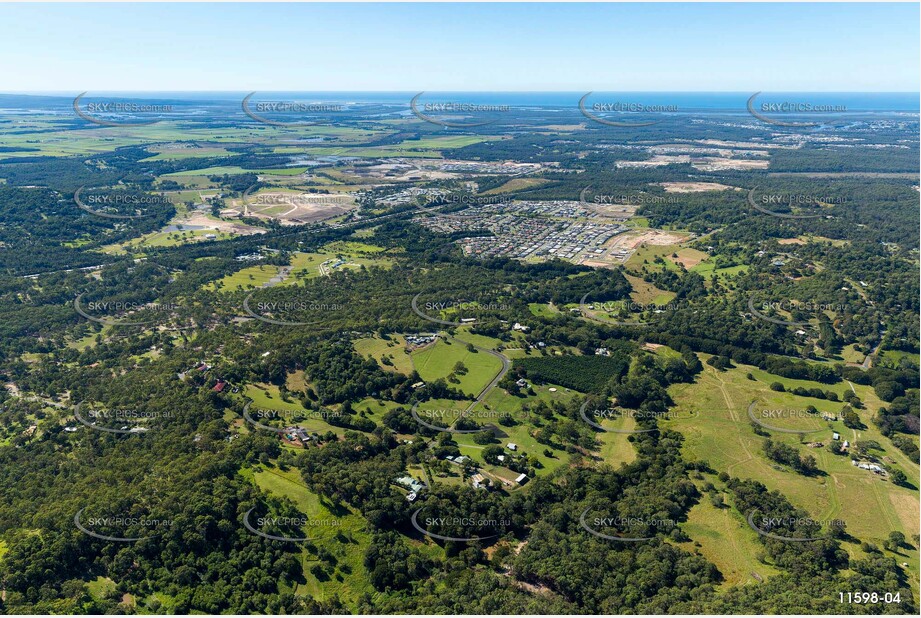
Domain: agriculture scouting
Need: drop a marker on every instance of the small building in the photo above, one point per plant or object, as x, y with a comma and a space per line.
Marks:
835, 435
521, 479
511, 446
411, 496
219, 387
501, 458
410, 483
479, 481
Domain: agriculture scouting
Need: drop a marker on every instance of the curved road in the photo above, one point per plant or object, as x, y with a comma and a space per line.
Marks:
506, 365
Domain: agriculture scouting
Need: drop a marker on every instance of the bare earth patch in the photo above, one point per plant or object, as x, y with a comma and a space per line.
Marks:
651, 237
693, 187
297, 208
230, 227
688, 259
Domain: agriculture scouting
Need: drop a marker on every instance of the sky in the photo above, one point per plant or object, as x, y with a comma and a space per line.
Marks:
460, 47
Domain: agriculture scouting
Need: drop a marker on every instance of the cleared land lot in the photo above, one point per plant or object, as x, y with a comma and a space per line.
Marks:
294, 208
347, 541
722, 434
694, 187
393, 350
438, 361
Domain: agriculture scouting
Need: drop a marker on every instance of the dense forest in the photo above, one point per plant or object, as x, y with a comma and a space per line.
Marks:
164, 333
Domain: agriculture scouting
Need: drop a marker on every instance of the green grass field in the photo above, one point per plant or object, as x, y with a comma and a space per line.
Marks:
347, 541
168, 239
306, 266
180, 154
517, 184
394, 350
209, 171
727, 541
438, 361
722, 435
708, 268
245, 279
646, 293
268, 397
101, 588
